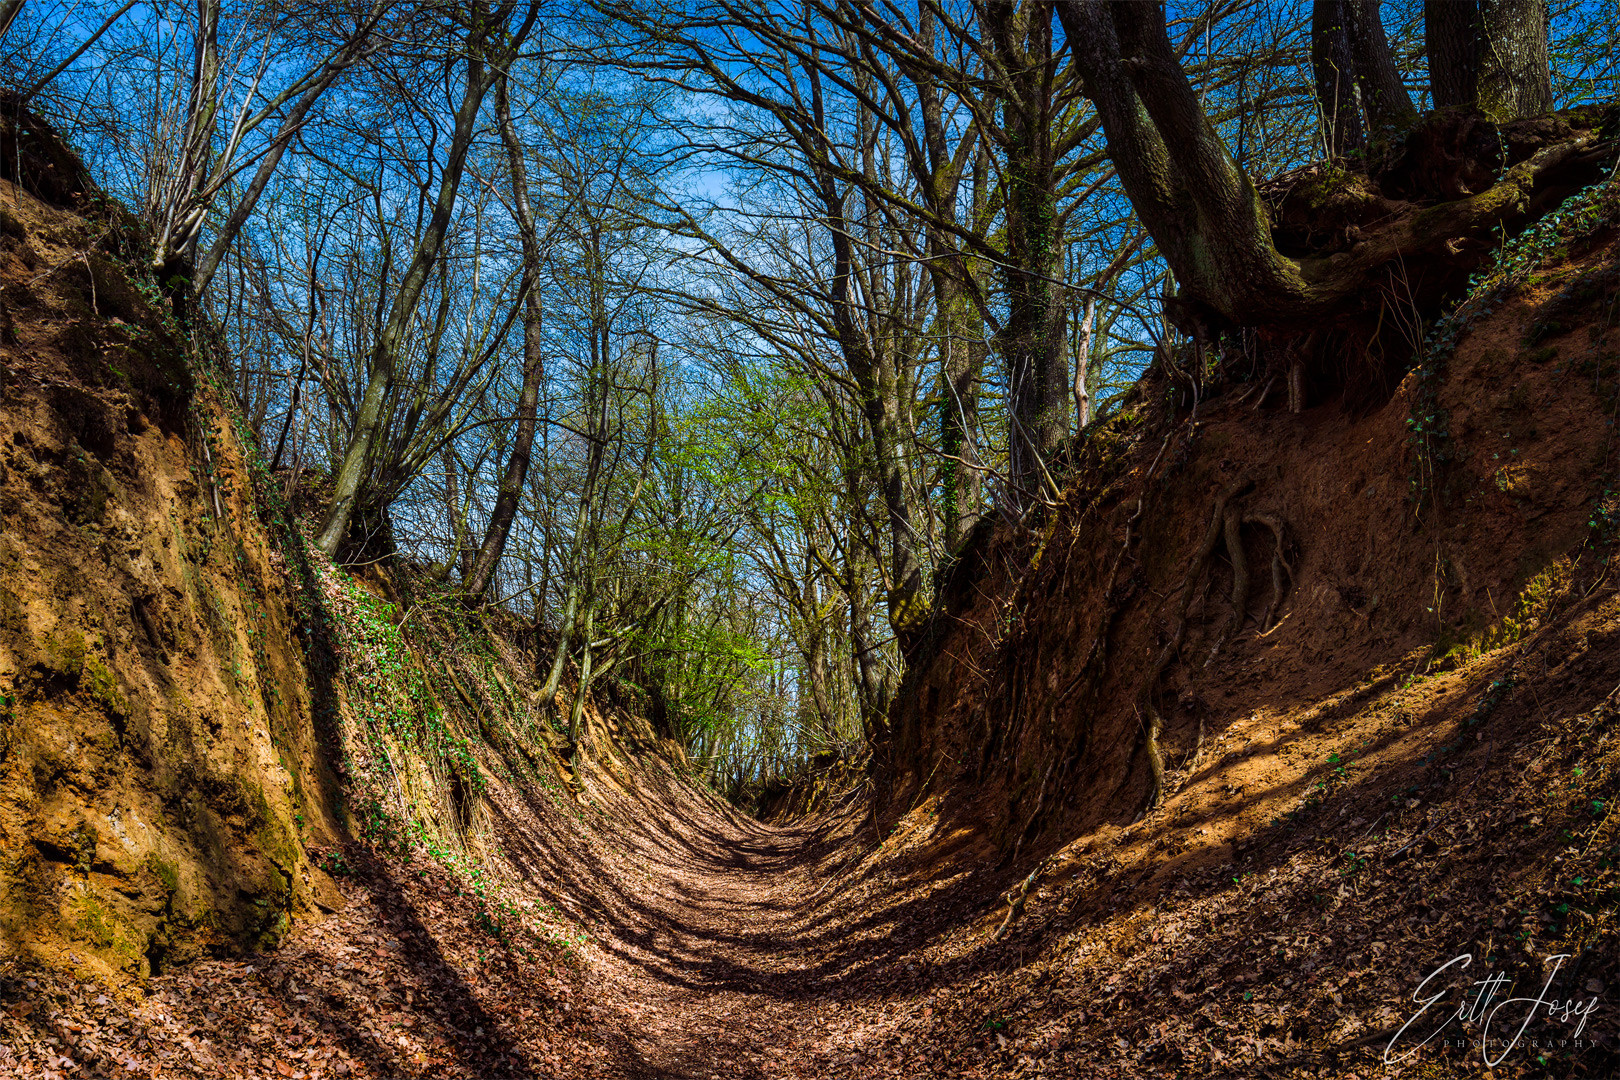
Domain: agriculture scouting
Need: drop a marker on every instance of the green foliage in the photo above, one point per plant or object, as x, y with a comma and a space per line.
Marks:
389, 694
335, 864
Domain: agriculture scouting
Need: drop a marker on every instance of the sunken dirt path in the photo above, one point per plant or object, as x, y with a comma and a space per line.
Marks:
665, 937
718, 971
745, 952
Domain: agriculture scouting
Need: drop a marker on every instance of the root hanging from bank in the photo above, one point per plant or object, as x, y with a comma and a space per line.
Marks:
1095, 662
1231, 532
1280, 566
1225, 528
1155, 728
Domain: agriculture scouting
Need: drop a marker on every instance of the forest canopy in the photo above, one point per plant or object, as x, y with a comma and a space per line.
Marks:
702, 337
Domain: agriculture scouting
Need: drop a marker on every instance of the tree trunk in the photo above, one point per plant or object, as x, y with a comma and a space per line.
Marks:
174, 253
565, 640
1209, 221
820, 698
1032, 340
1450, 31
1489, 56
455, 510
875, 377
517, 465
576, 711
9, 10
938, 170
353, 50
1515, 75
1384, 99
350, 481
1082, 365
1334, 69
872, 684
873, 366
578, 566
1191, 196
962, 357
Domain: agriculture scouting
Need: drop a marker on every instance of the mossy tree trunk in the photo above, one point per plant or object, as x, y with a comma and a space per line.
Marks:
1207, 217
1199, 206
1489, 56
1032, 340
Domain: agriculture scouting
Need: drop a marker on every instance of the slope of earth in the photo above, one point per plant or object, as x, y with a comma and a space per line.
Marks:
159, 770
1290, 710
661, 935
1399, 750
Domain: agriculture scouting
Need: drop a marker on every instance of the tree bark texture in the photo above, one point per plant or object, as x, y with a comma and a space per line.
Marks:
1205, 214
1489, 56
1334, 70
1032, 342
1384, 100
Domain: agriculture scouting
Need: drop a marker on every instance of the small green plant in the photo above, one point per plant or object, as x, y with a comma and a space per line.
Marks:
1605, 518
1517, 259
334, 863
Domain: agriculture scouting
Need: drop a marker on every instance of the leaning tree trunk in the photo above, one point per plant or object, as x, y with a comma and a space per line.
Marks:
1214, 229
9, 10
175, 250
1194, 200
357, 459
358, 45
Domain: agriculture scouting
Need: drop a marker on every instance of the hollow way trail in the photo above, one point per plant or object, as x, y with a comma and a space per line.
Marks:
734, 949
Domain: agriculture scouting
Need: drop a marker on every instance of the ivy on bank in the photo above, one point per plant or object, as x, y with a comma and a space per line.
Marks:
1517, 258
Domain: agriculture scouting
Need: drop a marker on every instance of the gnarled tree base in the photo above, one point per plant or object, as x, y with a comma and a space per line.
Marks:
1372, 255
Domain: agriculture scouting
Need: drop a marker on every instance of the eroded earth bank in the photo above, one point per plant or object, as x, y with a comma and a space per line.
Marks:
1202, 774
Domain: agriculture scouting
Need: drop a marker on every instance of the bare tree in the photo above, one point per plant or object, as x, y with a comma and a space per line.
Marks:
207, 157
482, 24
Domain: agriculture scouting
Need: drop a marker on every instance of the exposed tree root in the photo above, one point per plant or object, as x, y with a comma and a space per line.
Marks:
1279, 565
1195, 573
1225, 527
1095, 659
1282, 573
1155, 728
1231, 532
1015, 898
